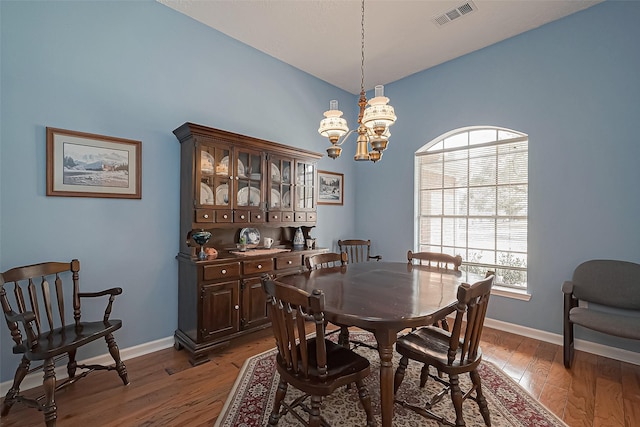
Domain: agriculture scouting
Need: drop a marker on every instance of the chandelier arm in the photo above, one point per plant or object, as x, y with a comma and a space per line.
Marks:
344, 137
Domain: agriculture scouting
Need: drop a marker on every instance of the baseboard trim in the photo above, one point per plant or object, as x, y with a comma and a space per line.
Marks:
35, 379
582, 345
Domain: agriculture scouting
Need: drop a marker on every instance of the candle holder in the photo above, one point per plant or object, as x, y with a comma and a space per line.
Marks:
201, 237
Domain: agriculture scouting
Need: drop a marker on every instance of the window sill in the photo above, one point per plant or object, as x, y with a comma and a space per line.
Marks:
502, 291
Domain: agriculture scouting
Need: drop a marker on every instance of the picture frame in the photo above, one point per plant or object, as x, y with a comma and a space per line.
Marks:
81, 164
330, 188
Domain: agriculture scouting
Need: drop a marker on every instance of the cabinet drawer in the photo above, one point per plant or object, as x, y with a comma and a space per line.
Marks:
301, 216
241, 216
225, 215
261, 266
288, 261
311, 216
204, 215
257, 217
275, 216
287, 216
221, 271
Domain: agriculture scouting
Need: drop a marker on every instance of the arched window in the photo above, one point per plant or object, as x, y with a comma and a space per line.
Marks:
472, 197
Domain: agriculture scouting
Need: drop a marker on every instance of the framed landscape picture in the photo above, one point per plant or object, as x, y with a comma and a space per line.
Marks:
330, 188
86, 165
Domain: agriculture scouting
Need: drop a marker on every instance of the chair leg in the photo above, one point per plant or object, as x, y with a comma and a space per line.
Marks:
424, 375
280, 393
314, 413
456, 398
568, 343
365, 399
10, 398
402, 367
49, 384
72, 365
115, 353
480, 399
343, 338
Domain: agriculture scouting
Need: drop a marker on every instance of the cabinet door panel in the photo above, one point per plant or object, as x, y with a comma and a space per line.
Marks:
254, 304
220, 310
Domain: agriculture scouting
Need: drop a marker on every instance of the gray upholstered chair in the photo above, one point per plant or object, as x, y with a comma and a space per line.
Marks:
602, 283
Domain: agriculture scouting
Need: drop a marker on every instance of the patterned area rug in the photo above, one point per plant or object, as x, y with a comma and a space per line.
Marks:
251, 399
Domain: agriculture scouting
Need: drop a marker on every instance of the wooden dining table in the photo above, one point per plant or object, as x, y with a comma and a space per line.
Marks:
384, 298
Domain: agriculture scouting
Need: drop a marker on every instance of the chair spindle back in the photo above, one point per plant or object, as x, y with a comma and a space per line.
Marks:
472, 301
329, 259
288, 308
44, 288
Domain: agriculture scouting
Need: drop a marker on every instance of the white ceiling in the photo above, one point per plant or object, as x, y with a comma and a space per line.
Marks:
323, 37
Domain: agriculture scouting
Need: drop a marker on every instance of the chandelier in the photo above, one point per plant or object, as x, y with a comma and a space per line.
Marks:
374, 120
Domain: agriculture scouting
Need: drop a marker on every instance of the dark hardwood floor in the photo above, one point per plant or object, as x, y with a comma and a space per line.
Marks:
166, 390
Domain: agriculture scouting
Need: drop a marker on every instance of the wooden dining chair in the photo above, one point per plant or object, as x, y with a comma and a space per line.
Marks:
315, 366
328, 259
436, 259
357, 250
453, 353
333, 259
39, 328
440, 261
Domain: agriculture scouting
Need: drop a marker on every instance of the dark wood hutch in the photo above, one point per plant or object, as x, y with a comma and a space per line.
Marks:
229, 182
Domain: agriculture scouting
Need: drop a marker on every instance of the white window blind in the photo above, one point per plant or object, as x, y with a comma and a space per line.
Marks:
473, 201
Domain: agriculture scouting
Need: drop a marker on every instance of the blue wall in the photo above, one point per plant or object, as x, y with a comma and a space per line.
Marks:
134, 70
574, 87
138, 70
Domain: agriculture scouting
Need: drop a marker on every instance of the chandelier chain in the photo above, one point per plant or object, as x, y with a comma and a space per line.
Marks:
362, 58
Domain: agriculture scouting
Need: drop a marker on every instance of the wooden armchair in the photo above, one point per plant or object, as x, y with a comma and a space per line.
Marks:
452, 353
315, 366
357, 250
439, 260
39, 328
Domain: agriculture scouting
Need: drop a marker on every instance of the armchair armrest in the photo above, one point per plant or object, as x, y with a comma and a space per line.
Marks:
112, 291
567, 287
112, 296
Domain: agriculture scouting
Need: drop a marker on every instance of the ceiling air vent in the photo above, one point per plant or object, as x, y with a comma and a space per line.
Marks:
456, 13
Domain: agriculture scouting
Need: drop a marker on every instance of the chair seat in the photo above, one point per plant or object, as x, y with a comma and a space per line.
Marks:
343, 367
61, 340
608, 323
430, 345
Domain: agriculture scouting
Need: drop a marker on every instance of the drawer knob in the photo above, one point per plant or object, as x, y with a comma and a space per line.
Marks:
241, 216
225, 216
275, 217
289, 262
224, 271
258, 216
259, 266
205, 216
237, 307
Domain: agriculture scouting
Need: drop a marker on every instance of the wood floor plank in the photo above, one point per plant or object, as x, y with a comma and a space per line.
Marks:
609, 407
580, 407
535, 376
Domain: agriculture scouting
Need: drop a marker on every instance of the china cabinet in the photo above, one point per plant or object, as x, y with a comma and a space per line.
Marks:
230, 183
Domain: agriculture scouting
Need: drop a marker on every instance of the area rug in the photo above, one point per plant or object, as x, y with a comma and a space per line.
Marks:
250, 402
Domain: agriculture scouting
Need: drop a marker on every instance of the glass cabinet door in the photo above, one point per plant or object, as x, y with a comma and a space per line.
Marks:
213, 174
280, 184
248, 176
305, 185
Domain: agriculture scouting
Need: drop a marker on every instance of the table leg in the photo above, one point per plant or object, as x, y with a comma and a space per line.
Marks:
386, 340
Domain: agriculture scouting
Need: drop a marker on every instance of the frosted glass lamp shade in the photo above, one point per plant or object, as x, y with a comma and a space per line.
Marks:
378, 116
333, 126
